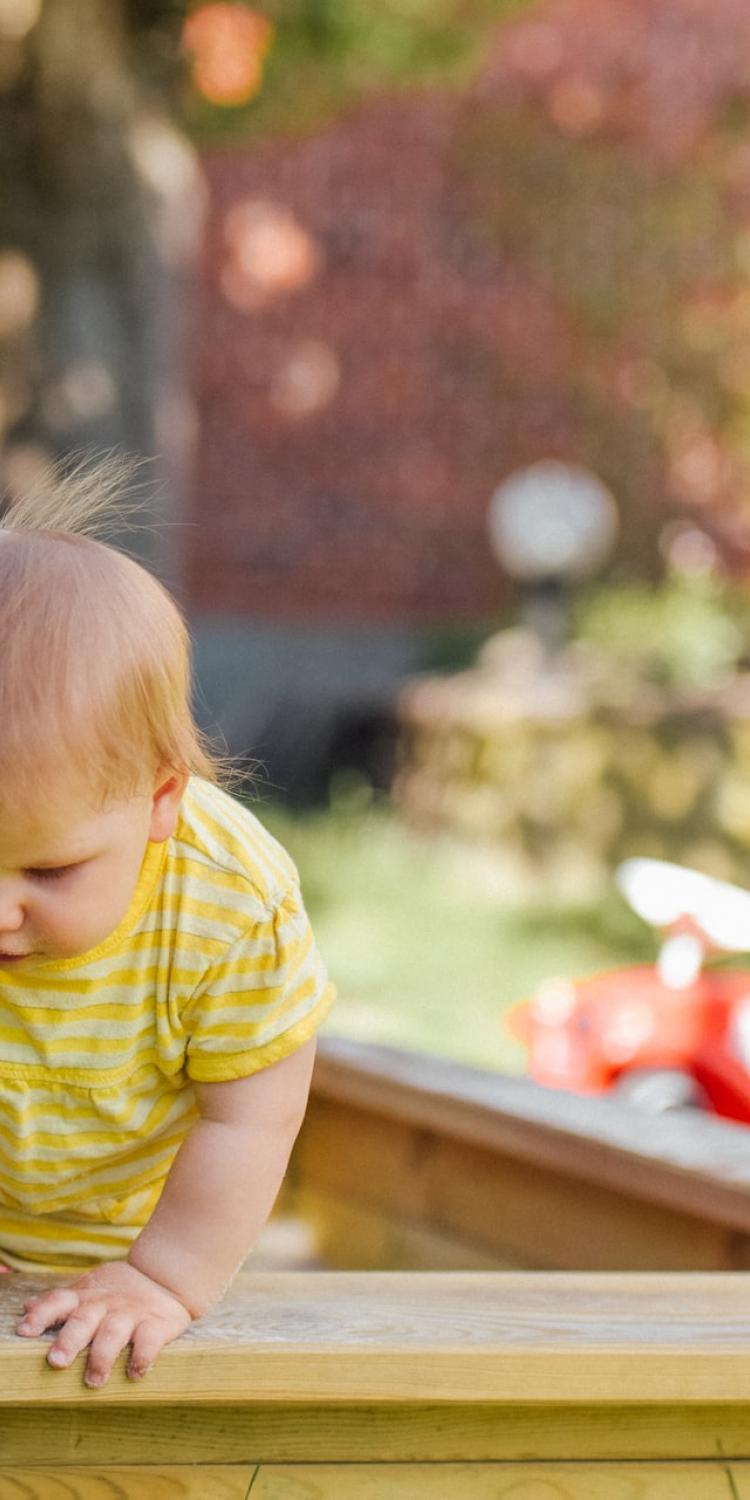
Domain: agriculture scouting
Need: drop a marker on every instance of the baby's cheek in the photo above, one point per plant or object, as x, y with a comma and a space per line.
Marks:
73, 920
67, 928
90, 916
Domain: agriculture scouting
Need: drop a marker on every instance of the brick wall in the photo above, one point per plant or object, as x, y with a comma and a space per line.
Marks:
353, 417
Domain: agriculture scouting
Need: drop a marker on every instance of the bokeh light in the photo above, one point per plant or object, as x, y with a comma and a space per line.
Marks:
19, 293
24, 465
689, 550
228, 43
269, 252
18, 17
85, 391
576, 107
306, 381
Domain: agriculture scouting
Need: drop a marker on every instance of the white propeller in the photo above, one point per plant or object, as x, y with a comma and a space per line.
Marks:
661, 893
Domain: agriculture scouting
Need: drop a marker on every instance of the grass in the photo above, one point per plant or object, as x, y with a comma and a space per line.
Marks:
425, 945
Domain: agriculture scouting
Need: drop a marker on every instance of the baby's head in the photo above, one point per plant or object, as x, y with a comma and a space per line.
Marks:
97, 737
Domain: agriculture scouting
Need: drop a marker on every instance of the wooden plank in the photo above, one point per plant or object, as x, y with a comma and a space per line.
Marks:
415, 1177
326, 1338
740, 1474
285, 1433
693, 1163
493, 1482
144, 1482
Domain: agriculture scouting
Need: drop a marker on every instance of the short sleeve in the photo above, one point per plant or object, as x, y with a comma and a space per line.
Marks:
265, 997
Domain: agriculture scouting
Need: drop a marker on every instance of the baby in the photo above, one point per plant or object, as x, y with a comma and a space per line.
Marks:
160, 988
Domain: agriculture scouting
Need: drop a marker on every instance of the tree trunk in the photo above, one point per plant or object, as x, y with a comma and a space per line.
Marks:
103, 198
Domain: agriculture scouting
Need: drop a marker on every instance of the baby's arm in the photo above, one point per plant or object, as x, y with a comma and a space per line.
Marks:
219, 1192
224, 1181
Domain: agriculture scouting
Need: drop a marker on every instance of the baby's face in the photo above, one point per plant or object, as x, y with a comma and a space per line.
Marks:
65, 886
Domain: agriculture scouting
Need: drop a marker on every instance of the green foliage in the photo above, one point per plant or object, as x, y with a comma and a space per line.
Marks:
426, 951
453, 646
684, 633
327, 54
610, 241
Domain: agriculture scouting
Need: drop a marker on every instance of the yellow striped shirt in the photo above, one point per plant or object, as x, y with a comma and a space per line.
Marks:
212, 974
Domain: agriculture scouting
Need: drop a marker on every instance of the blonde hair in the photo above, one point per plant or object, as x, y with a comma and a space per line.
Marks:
95, 657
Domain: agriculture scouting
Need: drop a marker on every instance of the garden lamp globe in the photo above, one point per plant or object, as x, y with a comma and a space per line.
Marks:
551, 525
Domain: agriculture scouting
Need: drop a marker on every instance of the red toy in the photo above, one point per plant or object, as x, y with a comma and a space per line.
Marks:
665, 1035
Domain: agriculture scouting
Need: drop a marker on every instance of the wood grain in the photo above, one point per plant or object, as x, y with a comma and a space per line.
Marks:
327, 1338
143, 1482
493, 1482
286, 1433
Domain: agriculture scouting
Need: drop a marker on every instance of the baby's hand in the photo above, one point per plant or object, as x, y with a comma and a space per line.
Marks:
109, 1307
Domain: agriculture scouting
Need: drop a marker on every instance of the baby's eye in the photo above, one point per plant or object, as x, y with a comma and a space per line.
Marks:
51, 874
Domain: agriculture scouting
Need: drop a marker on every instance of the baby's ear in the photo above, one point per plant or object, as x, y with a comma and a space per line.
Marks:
165, 807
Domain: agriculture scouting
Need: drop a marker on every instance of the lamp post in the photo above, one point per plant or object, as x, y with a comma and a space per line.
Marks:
550, 526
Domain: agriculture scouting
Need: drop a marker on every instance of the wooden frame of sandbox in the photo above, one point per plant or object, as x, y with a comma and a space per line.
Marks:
465, 1383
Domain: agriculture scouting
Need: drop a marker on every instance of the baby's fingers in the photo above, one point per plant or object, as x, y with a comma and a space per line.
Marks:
148, 1340
52, 1308
110, 1339
78, 1331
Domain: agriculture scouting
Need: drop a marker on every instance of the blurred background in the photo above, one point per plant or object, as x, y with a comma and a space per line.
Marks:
432, 319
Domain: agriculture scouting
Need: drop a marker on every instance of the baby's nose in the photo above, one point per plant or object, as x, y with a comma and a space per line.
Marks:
11, 911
